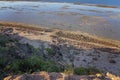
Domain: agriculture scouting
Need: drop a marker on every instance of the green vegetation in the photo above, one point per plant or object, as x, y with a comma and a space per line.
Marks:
29, 65
36, 63
81, 70
68, 70
50, 51
86, 71
16, 58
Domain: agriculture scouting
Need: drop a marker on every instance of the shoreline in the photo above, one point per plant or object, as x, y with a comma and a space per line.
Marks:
78, 35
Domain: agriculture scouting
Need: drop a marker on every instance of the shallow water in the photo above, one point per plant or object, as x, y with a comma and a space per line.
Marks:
100, 21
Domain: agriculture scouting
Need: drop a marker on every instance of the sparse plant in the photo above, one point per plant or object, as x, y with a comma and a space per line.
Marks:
86, 71
50, 51
69, 70
81, 71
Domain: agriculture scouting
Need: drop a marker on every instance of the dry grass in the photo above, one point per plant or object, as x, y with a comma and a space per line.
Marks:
84, 37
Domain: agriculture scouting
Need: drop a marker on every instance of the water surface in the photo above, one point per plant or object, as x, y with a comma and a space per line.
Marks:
101, 2
100, 21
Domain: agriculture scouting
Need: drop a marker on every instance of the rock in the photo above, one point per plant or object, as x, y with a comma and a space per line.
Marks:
59, 76
55, 76
42, 33
112, 77
112, 61
7, 30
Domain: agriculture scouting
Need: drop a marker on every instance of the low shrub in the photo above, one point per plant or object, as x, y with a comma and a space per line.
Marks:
86, 71
68, 69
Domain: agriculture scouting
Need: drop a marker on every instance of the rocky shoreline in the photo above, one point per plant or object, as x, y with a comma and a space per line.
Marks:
67, 47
